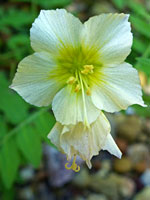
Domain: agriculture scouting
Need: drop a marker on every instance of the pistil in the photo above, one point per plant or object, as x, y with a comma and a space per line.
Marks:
74, 166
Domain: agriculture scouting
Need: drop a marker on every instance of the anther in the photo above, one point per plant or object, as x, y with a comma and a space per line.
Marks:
71, 80
87, 69
77, 88
88, 92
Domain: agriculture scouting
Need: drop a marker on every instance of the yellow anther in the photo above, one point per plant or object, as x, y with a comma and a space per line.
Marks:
87, 69
88, 92
90, 67
71, 80
74, 166
77, 88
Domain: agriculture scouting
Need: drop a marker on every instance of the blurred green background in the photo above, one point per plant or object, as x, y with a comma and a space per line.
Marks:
24, 128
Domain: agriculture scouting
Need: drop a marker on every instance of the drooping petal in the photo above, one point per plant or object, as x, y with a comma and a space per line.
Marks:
69, 108
111, 146
54, 29
119, 88
78, 139
111, 35
32, 80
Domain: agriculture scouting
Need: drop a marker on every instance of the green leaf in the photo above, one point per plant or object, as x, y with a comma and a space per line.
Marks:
30, 145
44, 124
119, 3
145, 112
53, 3
140, 25
3, 127
9, 162
139, 9
139, 45
144, 65
16, 18
13, 106
18, 40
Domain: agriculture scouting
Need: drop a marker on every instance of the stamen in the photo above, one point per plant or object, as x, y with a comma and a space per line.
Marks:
74, 166
77, 88
87, 69
88, 92
71, 80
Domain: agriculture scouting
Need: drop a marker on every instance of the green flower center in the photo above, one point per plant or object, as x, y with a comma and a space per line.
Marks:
78, 66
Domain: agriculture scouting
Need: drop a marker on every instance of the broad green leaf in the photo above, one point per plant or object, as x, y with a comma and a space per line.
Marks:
9, 162
30, 145
140, 25
13, 106
119, 3
144, 65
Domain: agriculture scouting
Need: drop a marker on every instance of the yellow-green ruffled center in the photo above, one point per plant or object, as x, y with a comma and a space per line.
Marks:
78, 67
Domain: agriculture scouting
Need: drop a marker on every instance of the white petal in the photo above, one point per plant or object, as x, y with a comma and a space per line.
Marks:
78, 139
68, 107
55, 134
32, 80
53, 29
111, 146
119, 88
111, 35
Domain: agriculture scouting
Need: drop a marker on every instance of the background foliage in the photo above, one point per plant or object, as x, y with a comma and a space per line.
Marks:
23, 127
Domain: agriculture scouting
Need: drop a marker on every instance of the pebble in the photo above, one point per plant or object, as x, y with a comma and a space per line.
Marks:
130, 128
96, 197
145, 178
141, 166
138, 153
144, 194
122, 144
82, 178
123, 165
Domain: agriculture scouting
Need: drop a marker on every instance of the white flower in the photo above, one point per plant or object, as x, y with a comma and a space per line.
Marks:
80, 69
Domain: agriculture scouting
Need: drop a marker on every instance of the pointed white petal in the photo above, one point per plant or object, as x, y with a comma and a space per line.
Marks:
54, 29
111, 146
119, 88
68, 107
32, 80
111, 35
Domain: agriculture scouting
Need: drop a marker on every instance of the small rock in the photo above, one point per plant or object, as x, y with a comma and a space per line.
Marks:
96, 197
55, 167
145, 178
122, 144
123, 165
138, 153
144, 194
127, 187
82, 178
27, 173
130, 128
106, 185
141, 166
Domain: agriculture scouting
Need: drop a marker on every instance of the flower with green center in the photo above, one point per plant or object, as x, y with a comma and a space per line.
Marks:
80, 69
